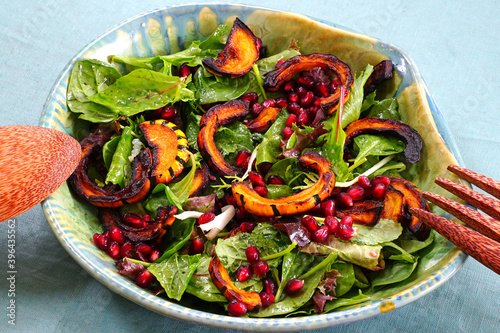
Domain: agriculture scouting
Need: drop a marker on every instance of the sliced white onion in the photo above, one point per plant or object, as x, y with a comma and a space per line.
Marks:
188, 214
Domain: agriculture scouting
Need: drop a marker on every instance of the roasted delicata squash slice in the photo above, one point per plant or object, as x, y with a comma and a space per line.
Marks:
200, 181
366, 212
108, 196
394, 205
169, 148
284, 72
301, 202
390, 127
264, 120
242, 50
223, 282
217, 116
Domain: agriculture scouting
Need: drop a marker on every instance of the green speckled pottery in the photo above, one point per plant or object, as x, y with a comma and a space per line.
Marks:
167, 30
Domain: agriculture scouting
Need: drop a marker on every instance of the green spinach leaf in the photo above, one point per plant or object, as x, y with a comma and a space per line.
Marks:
352, 108
176, 237
377, 146
270, 148
120, 169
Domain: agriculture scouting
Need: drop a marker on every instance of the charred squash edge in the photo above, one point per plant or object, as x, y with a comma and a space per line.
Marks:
134, 192
381, 72
200, 181
392, 127
413, 199
217, 116
366, 212
284, 72
223, 282
234, 53
264, 120
181, 158
300, 202
165, 216
394, 205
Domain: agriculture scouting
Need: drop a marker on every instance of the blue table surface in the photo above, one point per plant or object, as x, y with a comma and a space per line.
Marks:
456, 46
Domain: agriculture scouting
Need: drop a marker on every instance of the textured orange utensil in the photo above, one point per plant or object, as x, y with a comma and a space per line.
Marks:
34, 162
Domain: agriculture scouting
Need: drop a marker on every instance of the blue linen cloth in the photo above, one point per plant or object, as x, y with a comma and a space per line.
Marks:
456, 47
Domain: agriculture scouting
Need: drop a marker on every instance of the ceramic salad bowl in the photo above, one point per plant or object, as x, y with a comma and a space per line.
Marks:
167, 30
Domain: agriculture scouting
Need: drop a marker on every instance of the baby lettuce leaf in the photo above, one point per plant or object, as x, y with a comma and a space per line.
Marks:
384, 231
211, 88
395, 271
385, 109
108, 150
120, 165
295, 263
201, 284
181, 188
174, 273
141, 90
345, 280
411, 244
377, 146
270, 148
333, 149
176, 237
400, 253
233, 138
347, 301
352, 108
192, 130
278, 191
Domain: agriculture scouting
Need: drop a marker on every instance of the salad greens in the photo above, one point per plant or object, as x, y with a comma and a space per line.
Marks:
336, 273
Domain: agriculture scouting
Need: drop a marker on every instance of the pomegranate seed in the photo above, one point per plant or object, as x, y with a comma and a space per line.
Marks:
333, 224
328, 207
101, 241
114, 250
251, 97
244, 273
116, 235
310, 223
275, 180
287, 133
334, 84
143, 248
294, 107
301, 91
267, 299
243, 158
261, 267
320, 235
154, 255
281, 102
248, 226
278, 64
289, 86
378, 192
345, 199
144, 279
356, 193
169, 112
252, 254
305, 81
336, 191
206, 217
293, 97
132, 220
264, 167
321, 89
125, 250
146, 219
261, 190
313, 110
294, 286
345, 232
269, 286
257, 109
364, 182
380, 180
256, 178
303, 118
196, 246
317, 102
184, 70
241, 214
106, 233
292, 119
231, 200
269, 103
307, 100
236, 308
347, 220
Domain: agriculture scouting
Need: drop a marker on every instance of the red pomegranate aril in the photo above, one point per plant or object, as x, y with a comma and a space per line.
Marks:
251, 97
275, 180
106, 234
257, 109
261, 190
281, 102
256, 178
125, 249
305, 81
196, 247
313, 110
206, 217
293, 97
303, 118
169, 112
334, 84
252, 254
231, 200
269, 286
336, 191
264, 167
321, 89
347, 220
236, 308
292, 119
146, 218
244, 273
144, 279
364, 182
345, 232
184, 70
307, 100
114, 250
287, 133
378, 192
328, 207
143, 248
380, 180
289, 86
294, 286
101, 241
345, 199
116, 235
132, 220
333, 224
310, 223
248, 226
294, 107
269, 103
278, 64
357, 193
154, 255
241, 214
301, 91
261, 267
266, 298
243, 158
320, 235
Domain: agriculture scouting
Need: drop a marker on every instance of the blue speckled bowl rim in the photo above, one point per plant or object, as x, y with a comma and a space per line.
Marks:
129, 290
